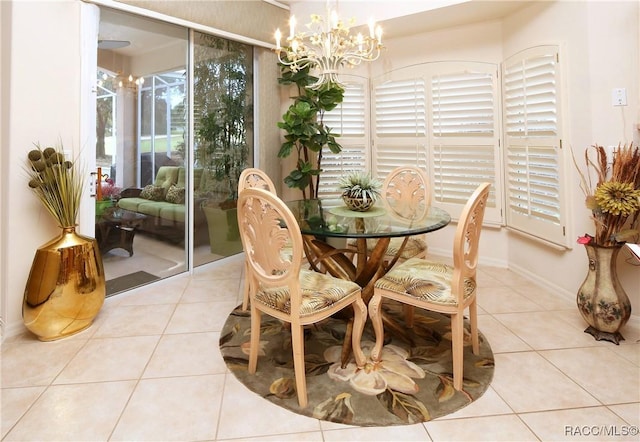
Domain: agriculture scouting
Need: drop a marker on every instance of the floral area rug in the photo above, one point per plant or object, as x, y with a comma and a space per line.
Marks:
413, 384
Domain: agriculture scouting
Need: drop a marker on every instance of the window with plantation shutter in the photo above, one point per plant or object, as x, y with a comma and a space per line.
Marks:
443, 117
401, 108
464, 138
463, 104
350, 120
400, 124
533, 154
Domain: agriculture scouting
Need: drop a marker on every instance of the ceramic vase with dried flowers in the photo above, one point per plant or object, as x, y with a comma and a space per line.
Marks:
66, 286
614, 203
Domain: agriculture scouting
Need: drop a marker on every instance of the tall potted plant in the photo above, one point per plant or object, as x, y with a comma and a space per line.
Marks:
222, 150
66, 286
614, 203
305, 132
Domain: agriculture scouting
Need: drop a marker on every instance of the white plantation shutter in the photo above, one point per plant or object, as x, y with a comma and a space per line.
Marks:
400, 125
459, 169
463, 104
533, 182
351, 121
443, 117
336, 165
348, 118
401, 108
389, 156
533, 154
464, 138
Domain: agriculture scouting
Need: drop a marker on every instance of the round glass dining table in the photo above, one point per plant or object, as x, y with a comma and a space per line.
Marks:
321, 219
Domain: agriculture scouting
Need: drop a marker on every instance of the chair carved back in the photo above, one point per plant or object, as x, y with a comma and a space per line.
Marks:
267, 228
252, 177
406, 192
467, 238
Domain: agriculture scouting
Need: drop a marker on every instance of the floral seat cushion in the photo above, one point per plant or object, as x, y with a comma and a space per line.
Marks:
319, 292
425, 281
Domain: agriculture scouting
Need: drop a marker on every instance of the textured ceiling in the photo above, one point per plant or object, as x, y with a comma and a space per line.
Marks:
145, 34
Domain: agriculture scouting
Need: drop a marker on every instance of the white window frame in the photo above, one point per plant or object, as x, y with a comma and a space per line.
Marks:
404, 139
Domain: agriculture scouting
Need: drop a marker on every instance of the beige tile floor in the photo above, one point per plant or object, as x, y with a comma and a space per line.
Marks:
150, 369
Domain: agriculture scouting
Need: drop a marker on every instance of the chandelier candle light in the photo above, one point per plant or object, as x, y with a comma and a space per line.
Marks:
328, 46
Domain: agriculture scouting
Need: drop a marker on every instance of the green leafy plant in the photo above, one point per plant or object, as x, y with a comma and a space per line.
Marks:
306, 133
360, 185
56, 183
224, 114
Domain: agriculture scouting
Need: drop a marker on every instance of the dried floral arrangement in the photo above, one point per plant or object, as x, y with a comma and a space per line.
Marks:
614, 201
56, 183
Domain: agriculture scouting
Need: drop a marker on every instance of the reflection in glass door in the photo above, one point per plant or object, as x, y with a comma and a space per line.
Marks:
146, 194
141, 130
223, 141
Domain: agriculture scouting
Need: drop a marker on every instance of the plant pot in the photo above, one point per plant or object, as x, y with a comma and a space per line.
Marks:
357, 204
601, 300
224, 236
66, 287
101, 206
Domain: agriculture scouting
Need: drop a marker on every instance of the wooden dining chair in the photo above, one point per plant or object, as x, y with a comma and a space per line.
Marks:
281, 288
250, 178
439, 287
406, 194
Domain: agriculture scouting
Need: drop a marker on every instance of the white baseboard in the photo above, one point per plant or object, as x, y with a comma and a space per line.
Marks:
446, 253
11, 330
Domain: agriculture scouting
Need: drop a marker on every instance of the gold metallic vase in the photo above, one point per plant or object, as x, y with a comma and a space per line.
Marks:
66, 287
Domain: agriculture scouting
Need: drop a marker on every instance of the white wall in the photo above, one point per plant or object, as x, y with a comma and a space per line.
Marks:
362, 10
5, 28
41, 67
599, 42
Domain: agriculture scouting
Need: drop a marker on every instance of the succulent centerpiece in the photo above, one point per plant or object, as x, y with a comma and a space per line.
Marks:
360, 190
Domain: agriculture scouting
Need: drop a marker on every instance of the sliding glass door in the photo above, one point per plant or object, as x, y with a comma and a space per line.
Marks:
165, 193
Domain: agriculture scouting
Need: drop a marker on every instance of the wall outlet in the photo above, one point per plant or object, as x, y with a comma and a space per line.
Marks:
619, 97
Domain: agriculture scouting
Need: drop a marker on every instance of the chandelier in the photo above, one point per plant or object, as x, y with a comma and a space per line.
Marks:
120, 80
327, 46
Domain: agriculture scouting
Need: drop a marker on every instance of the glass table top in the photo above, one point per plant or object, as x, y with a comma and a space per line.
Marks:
331, 218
